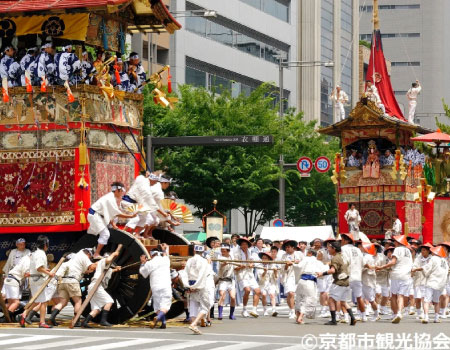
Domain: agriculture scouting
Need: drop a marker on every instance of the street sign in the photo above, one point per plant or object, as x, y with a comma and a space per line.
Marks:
304, 166
278, 223
322, 164
239, 140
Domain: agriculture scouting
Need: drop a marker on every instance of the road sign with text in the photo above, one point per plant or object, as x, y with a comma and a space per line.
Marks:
322, 164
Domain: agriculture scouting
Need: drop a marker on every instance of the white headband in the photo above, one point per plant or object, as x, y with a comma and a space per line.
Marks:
46, 46
134, 57
65, 48
163, 179
199, 248
153, 177
115, 188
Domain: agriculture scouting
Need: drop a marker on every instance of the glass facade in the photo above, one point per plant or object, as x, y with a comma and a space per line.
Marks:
276, 8
369, 8
346, 50
241, 41
326, 73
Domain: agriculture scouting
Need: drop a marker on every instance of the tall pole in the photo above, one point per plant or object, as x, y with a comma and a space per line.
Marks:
281, 183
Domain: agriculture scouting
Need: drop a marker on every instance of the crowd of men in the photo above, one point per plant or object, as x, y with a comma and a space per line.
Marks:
44, 66
409, 276
238, 271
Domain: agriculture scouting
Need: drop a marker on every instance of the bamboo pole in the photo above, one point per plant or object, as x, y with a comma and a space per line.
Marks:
236, 261
47, 281
93, 290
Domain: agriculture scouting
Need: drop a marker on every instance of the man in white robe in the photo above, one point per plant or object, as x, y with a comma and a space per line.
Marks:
306, 291
292, 257
102, 213
101, 300
157, 269
411, 95
339, 98
197, 270
38, 271
69, 275
140, 194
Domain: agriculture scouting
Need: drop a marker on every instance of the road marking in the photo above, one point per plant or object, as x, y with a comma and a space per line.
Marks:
240, 346
62, 343
181, 345
26, 339
119, 344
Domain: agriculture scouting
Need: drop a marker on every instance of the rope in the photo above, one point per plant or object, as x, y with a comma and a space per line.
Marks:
406, 52
351, 44
128, 148
139, 148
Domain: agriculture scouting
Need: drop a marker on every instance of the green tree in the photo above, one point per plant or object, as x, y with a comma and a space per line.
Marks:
445, 127
243, 178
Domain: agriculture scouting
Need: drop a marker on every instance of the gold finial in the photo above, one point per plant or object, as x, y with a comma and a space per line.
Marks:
376, 19
215, 202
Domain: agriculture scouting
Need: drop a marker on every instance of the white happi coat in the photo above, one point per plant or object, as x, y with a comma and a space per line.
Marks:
107, 207
14, 258
101, 297
37, 279
306, 292
197, 270
158, 270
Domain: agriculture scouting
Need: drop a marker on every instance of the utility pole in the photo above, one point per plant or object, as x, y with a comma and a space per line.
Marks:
281, 182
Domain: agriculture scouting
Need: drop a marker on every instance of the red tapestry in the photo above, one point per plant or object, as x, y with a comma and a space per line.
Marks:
376, 217
108, 167
413, 215
37, 188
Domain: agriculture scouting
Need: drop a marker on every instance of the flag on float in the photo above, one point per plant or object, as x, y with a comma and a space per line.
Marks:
377, 73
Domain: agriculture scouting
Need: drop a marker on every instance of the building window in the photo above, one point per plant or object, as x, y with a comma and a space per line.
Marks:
245, 42
405, 64
369, 8
202, 74
195, 77
400, 92
276, 8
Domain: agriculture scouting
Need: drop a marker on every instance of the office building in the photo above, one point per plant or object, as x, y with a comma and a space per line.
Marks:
327, 31
239, 48
415, 43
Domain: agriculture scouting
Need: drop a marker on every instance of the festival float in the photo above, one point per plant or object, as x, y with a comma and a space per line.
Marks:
378, 190
62, 146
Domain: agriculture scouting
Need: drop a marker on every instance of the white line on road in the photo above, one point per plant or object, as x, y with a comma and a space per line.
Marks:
181, 345
116, 343
61, 343
240, 346
26, 339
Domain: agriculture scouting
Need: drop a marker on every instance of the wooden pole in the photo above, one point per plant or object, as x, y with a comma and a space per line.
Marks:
47, 281
236, 261
93, 290
2, 302
376, 18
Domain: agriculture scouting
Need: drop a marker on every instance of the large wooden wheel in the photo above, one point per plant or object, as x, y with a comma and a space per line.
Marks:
130, 291
127, 287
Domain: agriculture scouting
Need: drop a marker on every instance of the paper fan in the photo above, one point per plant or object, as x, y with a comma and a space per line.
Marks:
172, 207
186, 214
137, 208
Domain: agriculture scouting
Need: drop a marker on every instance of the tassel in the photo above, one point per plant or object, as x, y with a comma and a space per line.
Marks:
28, 82
84, 155
70, 96
117, 74
169, 81
82, 217
44, 84
5, 90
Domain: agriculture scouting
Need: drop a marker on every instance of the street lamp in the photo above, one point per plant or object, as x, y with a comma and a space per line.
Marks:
281, 183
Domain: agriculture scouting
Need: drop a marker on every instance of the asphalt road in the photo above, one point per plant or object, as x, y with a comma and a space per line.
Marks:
262, 333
